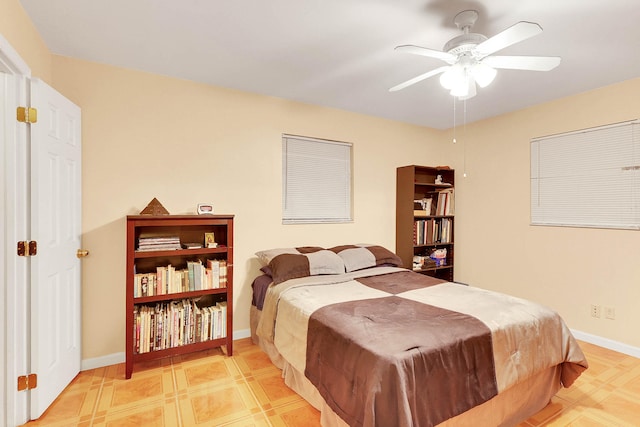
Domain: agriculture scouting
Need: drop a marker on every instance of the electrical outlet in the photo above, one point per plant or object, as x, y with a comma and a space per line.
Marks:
610, 313
595, 310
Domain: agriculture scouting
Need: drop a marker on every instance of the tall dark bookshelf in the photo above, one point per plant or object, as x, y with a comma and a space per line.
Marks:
419, 183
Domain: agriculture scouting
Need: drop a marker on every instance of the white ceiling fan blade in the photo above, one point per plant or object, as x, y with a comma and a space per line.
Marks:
423, 51
512, 35
533, 63
419, 78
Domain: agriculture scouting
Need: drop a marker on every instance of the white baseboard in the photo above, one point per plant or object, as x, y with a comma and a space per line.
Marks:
607, 343
238, 335
99, 362
115, 358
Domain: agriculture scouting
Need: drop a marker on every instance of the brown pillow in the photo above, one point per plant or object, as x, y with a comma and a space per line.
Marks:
292, 266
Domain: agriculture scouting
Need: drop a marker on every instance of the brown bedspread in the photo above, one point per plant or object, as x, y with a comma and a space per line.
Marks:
400, 349
369, 361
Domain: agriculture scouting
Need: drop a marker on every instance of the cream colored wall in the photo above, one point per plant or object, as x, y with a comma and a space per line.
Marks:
565, 268
17, 28
147, 136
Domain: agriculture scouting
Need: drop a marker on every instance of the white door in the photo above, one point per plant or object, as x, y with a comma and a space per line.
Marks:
56, 226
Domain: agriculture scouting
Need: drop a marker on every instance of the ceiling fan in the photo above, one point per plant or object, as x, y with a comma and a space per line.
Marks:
470, 56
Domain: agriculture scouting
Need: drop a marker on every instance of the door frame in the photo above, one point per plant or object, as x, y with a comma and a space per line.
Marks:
14, 226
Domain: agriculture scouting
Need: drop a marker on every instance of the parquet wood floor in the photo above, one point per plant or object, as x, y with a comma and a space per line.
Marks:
209, 389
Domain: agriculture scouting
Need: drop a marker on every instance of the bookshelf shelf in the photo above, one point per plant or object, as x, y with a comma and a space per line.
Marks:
418, 234
431, 245
179, 252
431, 184
433, 271
179, 295
198, 306
174, 351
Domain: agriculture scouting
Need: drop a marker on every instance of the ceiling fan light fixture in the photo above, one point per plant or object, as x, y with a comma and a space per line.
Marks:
459, 92
453, 77
483, 74
462, 87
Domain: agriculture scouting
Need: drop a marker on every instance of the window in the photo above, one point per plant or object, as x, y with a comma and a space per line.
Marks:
316, 180
587, 178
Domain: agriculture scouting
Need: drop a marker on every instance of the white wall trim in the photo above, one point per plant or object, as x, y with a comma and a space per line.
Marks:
102, 361
245, 333
115, 358
13, 142
10, 58
607, 343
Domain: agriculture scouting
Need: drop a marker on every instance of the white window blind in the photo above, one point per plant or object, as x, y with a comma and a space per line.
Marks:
587, 178
316, 180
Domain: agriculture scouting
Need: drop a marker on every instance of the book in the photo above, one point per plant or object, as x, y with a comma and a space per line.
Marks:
198, 275
191, 275
215, 326
192, 245
223, 273
429, 231
214, 266
223, 318
161, 273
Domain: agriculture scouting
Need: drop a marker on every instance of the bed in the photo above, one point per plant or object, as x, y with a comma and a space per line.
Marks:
369, 343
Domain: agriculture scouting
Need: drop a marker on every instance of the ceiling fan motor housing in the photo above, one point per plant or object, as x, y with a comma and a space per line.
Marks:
463, 43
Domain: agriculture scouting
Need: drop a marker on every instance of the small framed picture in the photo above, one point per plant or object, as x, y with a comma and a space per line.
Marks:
210, 240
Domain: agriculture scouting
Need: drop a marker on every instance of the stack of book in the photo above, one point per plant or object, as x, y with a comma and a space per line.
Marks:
424, 231
176, 323
429, 231
158, 243
197, 276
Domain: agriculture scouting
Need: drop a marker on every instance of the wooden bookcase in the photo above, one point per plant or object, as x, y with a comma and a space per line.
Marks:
418, 183
189, 229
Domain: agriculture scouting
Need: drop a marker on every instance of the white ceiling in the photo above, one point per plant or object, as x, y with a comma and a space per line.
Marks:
340, 53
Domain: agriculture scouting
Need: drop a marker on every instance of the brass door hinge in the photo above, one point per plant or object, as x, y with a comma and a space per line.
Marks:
27, 115
27, 248
27, 382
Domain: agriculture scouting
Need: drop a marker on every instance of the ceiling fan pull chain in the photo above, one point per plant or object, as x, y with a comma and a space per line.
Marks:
464, 141
454, 120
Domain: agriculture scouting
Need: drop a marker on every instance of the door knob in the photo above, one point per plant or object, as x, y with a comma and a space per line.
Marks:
82, 253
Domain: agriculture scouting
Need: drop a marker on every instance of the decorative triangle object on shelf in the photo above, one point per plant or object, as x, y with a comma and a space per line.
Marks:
154, 208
